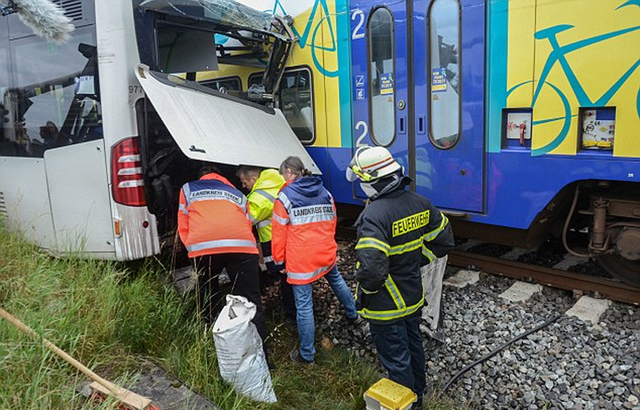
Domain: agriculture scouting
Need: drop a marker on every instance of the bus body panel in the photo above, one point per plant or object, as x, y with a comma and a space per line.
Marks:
80, 200
23, 185
117, 57
202, 124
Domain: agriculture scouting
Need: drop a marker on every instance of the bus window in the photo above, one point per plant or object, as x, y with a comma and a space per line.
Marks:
56, 98
224, 84
381, 76
296, 98
444, 69
8, 147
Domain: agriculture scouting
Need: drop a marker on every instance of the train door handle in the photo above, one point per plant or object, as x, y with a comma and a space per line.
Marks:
402, 129
421, 126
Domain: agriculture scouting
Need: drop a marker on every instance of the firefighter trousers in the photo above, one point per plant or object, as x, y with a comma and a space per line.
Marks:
400, 351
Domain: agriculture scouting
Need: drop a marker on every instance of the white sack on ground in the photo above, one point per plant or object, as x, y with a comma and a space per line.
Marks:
239, 350
432, 275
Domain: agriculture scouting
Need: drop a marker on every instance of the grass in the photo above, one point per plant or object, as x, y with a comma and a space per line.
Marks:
109, 317
112, 318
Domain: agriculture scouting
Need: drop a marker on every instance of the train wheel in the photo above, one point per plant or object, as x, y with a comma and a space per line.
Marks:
626, 270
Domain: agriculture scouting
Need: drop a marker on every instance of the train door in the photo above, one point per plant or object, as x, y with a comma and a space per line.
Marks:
448, 73
379, 68
418, 84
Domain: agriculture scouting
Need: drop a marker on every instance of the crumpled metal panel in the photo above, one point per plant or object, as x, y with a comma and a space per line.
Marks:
213, 127
223, 12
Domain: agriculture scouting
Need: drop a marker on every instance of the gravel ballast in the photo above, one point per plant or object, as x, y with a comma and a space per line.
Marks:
570, 364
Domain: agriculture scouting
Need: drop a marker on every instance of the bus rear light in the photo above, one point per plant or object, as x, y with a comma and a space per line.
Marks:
130, 158
130, 171
127, 183
131, 184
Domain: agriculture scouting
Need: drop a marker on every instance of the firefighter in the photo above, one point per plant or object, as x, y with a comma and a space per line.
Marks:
398, 232
264, 186
304, 227
213, 224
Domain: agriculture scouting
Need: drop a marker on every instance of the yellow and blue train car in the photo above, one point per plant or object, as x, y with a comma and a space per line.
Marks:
511, 114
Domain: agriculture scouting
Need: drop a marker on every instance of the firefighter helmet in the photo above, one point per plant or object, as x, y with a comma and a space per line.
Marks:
371, 163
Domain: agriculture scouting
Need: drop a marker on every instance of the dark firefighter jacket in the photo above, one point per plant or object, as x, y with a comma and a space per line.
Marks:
397, 234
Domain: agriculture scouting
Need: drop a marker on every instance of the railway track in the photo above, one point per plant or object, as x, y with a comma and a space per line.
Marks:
556, 278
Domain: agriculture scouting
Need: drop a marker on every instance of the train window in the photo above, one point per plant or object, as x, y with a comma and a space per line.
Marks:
381, 76
444, 68
255, 79
598, 128
296, 101
224, 84
296, 97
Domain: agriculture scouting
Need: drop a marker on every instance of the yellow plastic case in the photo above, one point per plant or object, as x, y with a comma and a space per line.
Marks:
389, 395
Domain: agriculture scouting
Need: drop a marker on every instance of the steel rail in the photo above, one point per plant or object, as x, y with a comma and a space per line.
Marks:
611, 289
617, 291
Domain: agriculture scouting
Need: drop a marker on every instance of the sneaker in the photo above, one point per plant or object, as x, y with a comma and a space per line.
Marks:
357, 321
296, 357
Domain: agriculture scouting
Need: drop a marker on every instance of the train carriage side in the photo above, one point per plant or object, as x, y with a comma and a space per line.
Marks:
508, 112
501, 111
314, 93
563, 85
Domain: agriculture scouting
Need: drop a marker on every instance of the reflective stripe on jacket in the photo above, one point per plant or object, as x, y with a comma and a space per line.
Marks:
261, 200
213, 218
304, 226
397, 233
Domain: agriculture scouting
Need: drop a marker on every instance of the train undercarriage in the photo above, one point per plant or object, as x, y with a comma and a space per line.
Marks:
605, 214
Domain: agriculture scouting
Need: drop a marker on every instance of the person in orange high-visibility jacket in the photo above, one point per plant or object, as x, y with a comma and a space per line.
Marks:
303, 238
214, 225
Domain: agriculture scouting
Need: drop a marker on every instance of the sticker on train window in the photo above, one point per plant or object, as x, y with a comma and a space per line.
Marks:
386, 83
438, 80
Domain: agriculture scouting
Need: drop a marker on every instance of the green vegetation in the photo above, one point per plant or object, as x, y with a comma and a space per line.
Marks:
110, 318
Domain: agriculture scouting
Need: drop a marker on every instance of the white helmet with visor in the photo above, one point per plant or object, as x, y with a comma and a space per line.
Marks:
371, 163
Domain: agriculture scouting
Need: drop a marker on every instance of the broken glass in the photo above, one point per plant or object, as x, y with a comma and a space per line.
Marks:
221, 12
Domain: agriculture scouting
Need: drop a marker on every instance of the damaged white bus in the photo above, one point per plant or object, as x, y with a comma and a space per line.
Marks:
97, 137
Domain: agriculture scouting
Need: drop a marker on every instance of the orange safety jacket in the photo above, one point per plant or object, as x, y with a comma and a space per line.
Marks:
303, 230
213, 218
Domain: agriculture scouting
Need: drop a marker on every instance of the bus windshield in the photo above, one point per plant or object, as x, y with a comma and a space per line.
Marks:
189, 36
220, 12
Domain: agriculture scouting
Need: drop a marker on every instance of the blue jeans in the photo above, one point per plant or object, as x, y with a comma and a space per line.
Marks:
304, 304
400, 351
